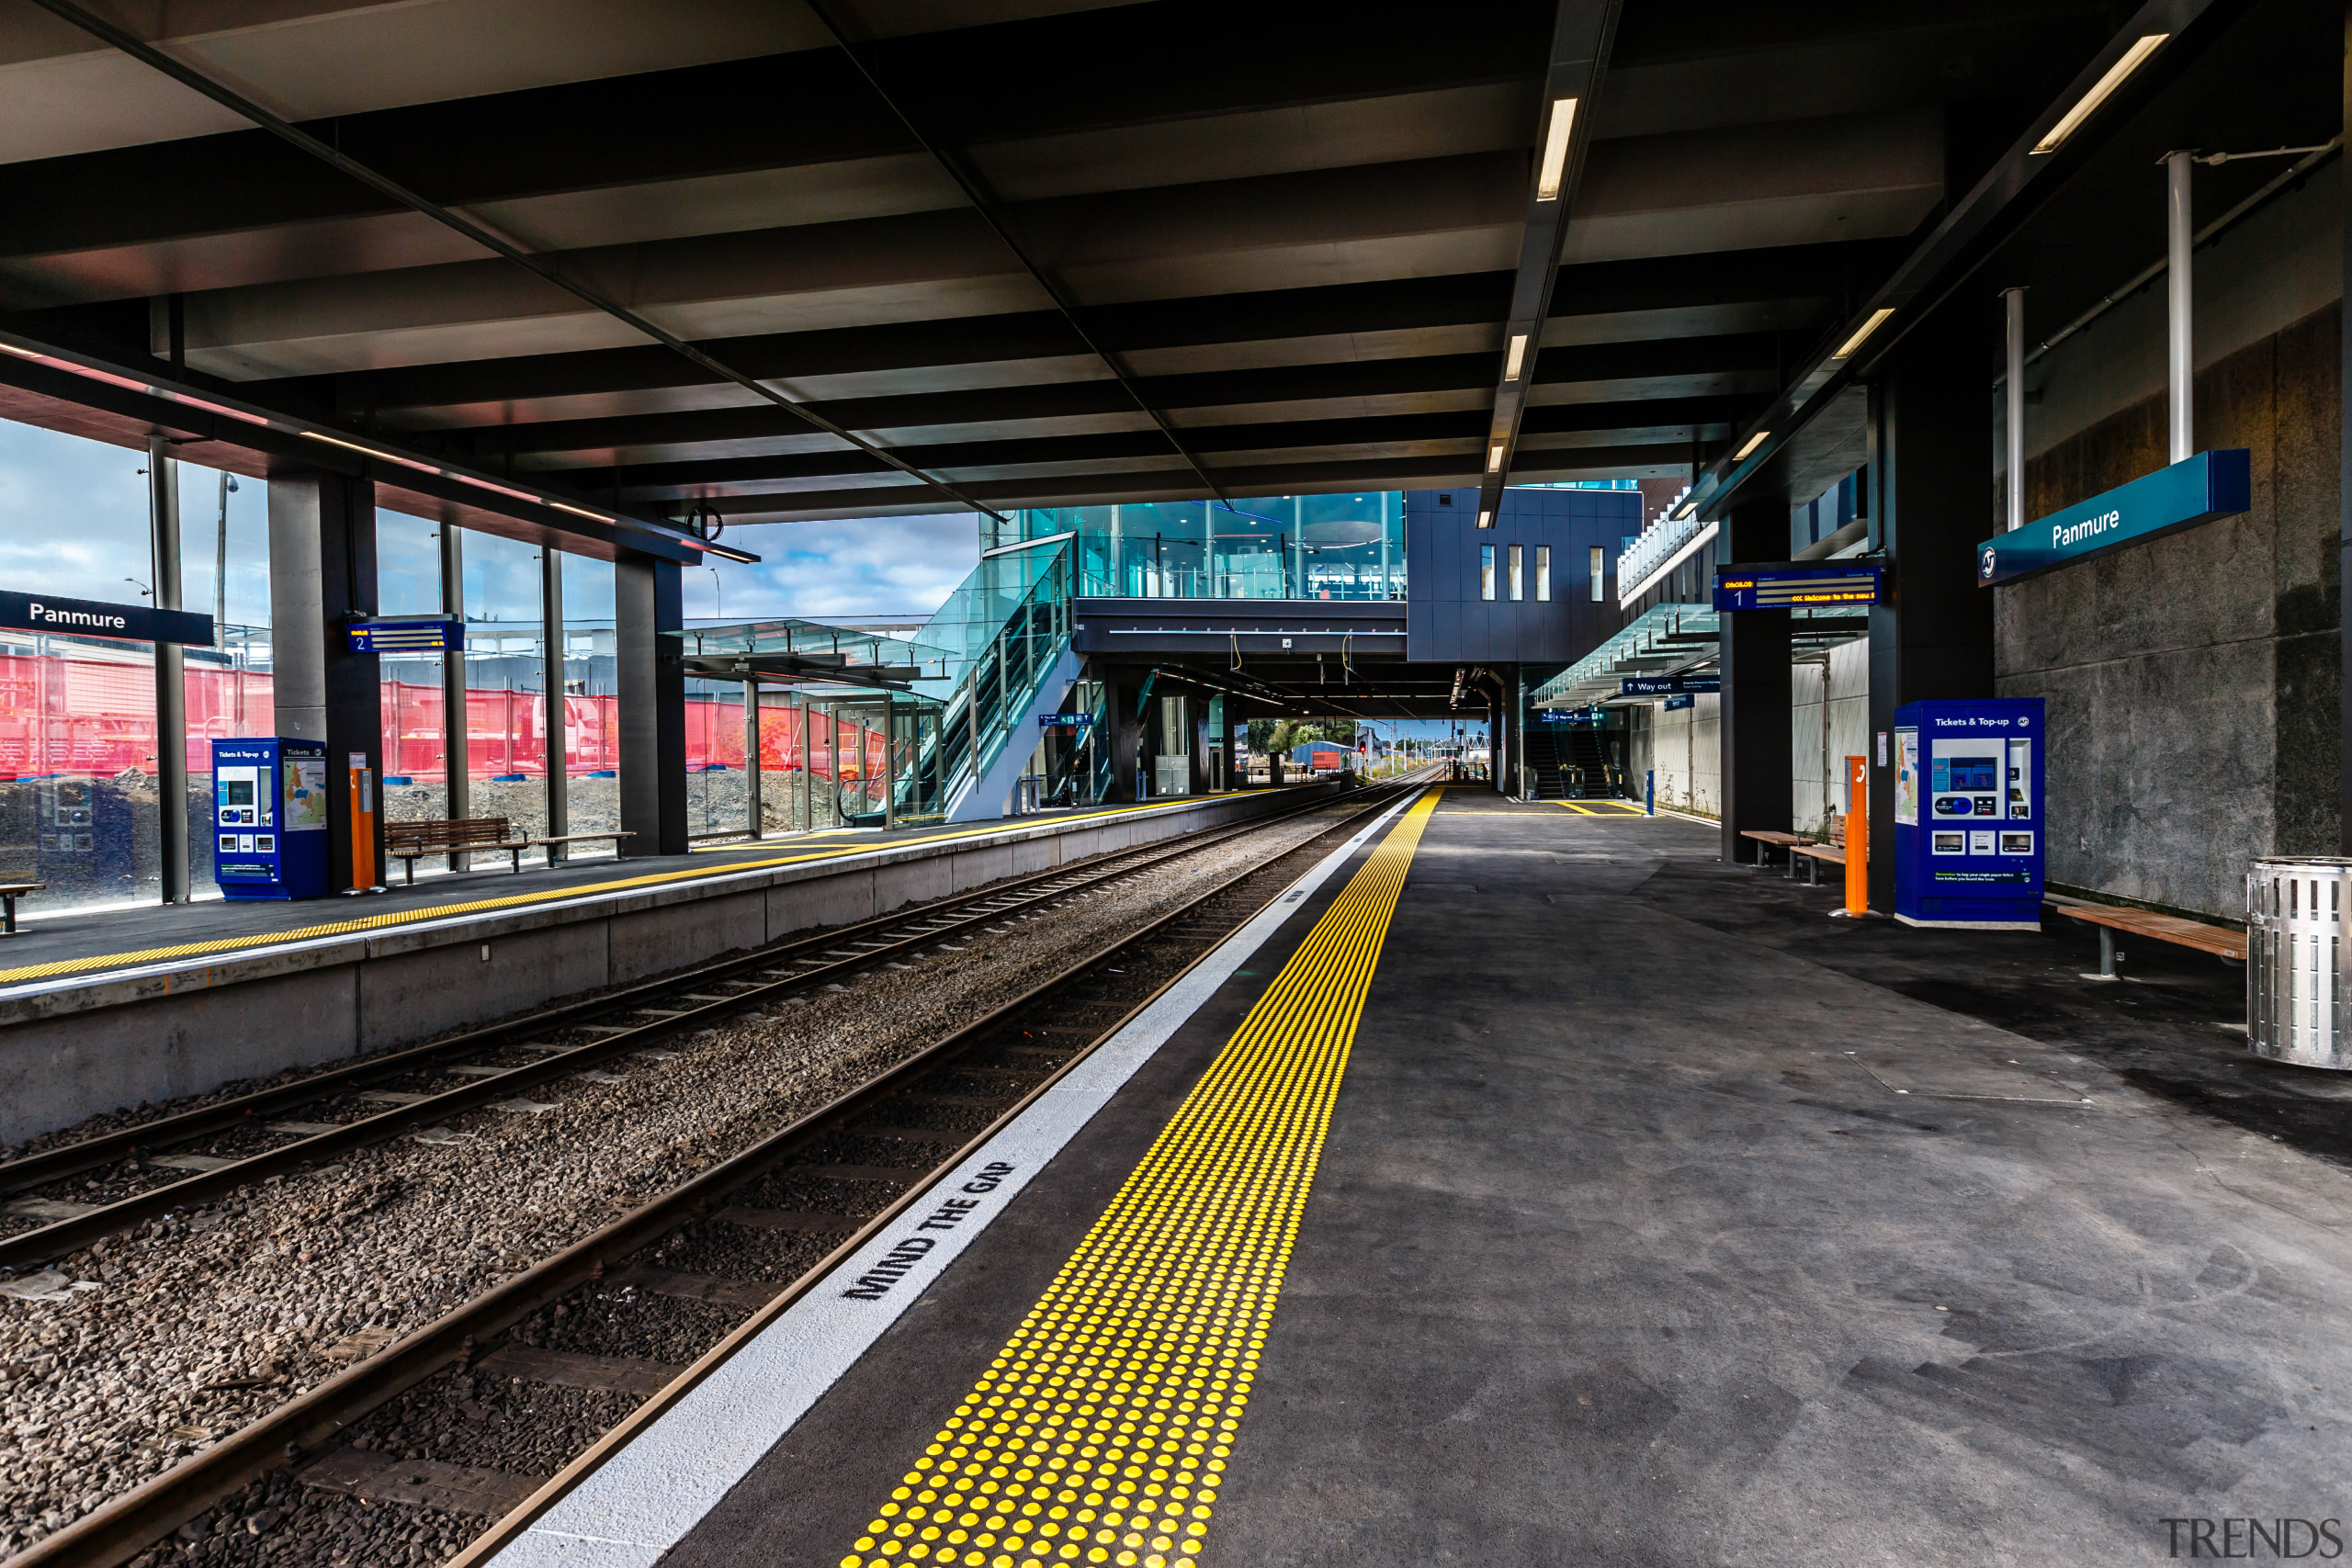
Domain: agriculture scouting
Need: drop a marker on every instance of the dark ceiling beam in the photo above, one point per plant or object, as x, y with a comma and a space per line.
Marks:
977, 190
538, 267
1177, 484
723, 118
1746, 353
1779, 275
1972, 228
1582, 33
1461, 425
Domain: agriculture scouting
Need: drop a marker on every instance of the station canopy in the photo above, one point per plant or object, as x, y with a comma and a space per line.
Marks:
708, 261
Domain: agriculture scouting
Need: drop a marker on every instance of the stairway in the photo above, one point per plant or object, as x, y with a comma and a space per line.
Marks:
1587, 765
1547, 777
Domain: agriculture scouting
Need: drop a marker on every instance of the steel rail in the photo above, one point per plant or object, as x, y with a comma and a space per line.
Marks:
384, 184
127, 1525
30, 1249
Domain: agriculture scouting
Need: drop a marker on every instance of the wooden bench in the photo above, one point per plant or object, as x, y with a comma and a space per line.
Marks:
451, 836
2222, 942
1816, 857
1765, 837
554, 844
9, 893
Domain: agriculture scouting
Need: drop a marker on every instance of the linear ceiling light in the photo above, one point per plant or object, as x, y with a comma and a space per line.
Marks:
1750, 444
1485, 519
1878, 318
367, 451
2100, 91
1556, 149
1687, 508
1494, 458
1517, 355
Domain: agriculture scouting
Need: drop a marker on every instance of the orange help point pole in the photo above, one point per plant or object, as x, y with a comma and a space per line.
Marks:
1858, 836
363, 824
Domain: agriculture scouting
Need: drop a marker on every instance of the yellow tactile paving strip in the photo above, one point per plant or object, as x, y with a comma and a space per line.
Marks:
1102, 1431
509, 901
1616, 808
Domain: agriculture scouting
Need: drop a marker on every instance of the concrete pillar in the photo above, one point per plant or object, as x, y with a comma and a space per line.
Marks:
1754, 732
322, 573
1931, 503
652, 702
171, 686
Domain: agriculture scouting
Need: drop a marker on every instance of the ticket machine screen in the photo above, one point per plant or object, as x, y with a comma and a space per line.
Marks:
1974, 773
1964, 777
237, 797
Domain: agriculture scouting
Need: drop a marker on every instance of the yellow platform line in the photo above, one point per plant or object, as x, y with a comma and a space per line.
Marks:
1102, 1430
1579, 810
504, 902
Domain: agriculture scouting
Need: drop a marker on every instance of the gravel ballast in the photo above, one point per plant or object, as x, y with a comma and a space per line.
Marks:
170, 1337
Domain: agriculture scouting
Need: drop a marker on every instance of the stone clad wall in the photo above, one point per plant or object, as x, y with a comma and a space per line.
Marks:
2193, 683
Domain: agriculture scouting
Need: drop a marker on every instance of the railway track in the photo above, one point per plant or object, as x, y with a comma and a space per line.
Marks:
405, 1092
805, 1195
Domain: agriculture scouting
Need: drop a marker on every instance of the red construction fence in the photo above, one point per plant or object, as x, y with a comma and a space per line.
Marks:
97, 718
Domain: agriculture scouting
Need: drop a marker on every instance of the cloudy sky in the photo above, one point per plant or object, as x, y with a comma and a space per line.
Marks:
73, 521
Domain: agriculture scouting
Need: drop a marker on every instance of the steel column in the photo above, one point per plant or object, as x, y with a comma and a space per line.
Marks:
171, 686
2013, 391
456, 724
653, 703
551, 685
752, 813
2180, 245
1930, 475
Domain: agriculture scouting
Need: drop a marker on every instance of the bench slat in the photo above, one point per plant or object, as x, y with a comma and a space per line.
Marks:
2219, 940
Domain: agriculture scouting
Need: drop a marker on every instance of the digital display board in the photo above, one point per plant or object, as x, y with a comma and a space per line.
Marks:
1786, 587
406, 636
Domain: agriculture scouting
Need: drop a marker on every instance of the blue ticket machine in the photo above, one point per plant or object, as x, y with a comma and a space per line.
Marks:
269, 817
1968, 825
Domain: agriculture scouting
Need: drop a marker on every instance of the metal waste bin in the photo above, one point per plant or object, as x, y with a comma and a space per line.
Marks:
2294, 968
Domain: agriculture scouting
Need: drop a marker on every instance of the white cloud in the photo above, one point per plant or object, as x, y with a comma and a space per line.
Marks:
73, 521
881, 566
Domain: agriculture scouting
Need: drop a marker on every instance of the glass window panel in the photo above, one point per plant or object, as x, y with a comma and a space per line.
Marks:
416, 741
1544, 574
1599, 573
1486, 571
591, 700
505, 734
224, 572
78, 808
1515, 592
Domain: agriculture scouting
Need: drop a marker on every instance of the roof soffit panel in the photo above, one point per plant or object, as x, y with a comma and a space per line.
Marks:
308, 63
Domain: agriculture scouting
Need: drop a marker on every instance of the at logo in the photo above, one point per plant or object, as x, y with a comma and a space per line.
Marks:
1985, 567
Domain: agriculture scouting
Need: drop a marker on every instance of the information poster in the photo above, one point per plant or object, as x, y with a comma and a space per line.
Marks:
306, 795
1907, 777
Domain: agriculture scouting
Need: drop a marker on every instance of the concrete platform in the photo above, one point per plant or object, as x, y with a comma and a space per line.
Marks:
135, 1005
1660, 1219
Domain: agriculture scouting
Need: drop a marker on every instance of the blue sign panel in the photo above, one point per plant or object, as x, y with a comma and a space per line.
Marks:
1969, 828
1065, 721
1684, 701
93, 617
1785, 587
2193, 491
1667, 685
406, 636
269, 817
